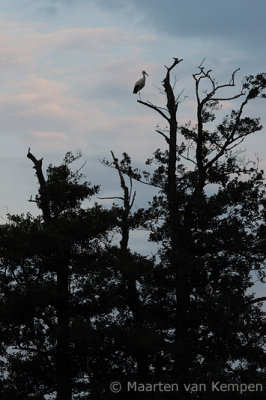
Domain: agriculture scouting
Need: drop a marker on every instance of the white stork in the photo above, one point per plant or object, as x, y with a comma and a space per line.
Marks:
140, 83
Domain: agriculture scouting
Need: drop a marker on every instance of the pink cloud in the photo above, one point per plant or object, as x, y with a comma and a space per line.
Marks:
50, 135
87, 38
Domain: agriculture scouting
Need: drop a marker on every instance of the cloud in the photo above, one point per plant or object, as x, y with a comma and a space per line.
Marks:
225, 31
44, 91
76, 39
36, 95
77, 81
240, 18
50, 135
24, 45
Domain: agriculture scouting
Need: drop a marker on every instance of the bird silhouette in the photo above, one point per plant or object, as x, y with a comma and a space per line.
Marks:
140, 83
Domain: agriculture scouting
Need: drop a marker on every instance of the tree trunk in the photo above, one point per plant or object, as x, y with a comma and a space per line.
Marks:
178, 265
132, 293
63, 374
177, 261
178, 235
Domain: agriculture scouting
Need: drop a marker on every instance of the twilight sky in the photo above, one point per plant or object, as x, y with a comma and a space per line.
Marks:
68, 67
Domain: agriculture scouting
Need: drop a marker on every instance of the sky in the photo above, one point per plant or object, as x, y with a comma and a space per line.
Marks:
68, 67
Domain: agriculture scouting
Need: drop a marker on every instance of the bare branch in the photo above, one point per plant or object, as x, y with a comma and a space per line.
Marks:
178, 96
110, 198
176, 61
147, 183
227, 98
202, 62
130, 190
37, 166
231, 139
122, 181
257, 300
31, 200
188, 159
230, 84
44, 202
209, 96
127, 193
164, 135
233, 76
76, 172
148, 104
133, 199
236, 144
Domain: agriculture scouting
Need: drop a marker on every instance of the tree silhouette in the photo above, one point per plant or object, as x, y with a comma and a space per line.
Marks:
79, 311
210, 204
44, 259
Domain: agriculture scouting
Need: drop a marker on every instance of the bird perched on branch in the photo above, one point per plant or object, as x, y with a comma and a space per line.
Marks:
140, 83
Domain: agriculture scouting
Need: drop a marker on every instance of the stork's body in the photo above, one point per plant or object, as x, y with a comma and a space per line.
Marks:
140, 83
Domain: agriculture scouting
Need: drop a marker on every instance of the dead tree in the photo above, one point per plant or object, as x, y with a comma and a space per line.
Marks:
133, 299
177, 253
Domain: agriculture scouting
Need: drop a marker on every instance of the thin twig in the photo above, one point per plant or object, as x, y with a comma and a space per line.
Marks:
164, 135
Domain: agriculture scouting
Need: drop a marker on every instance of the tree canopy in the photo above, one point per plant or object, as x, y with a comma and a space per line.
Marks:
80, 310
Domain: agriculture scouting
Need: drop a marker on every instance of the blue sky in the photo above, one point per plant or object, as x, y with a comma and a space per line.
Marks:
68, 67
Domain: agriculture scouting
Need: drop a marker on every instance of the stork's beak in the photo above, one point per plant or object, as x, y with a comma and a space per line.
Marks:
146, 73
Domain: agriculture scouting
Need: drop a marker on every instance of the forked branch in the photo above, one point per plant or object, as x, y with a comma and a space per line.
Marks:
202, 74
128, 199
